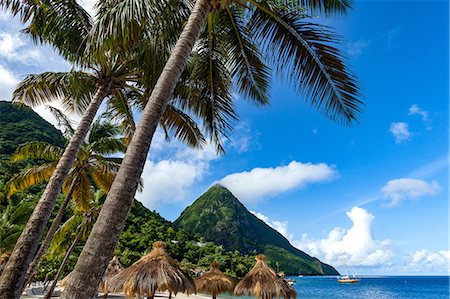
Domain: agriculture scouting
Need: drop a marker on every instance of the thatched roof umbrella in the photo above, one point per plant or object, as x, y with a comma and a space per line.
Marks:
114, 268
156, 271
215, 282
262, 281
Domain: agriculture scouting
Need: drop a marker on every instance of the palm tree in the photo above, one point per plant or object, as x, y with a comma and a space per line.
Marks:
80, 225
66, 26
90, 168
300, 50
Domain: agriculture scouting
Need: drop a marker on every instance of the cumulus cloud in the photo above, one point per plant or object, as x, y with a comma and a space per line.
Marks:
7, 83
258, 183
280, 226
172, 179
354, 246
398, 190
400, 131
425, 260
15, 49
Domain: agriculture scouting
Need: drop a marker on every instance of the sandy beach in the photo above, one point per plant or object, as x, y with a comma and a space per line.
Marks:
121, 296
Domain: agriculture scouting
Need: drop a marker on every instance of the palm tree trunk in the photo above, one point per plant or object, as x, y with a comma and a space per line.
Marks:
48, 238
13, 276
64, 262
100, 245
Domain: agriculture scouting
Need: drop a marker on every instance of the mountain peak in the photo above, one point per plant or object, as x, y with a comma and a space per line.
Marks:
218, 216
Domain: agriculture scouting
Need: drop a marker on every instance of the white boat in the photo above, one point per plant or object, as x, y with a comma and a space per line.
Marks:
349, 279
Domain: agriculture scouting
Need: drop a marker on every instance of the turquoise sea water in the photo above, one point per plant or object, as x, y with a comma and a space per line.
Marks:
374, 287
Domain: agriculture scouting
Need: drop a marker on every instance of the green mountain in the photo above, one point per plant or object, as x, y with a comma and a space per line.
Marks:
143, 227
220, 217
20, 124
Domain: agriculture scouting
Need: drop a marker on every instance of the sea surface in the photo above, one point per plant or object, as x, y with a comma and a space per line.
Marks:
372, 287
376, 287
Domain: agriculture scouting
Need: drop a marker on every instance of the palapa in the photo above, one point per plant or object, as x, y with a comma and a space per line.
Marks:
114, 268
262, 281
215, 282
156, 271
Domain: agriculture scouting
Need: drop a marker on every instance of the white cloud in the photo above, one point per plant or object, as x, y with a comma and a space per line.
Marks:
170, 180
400, 131
355, 49
280, 226
416, 110
425, 261
354, 246
15, 49
7, 83
265, 182
398, 190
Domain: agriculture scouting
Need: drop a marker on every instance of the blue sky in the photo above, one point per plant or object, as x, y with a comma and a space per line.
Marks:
374, 195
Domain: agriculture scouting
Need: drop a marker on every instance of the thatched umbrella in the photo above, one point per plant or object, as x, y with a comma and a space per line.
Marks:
215, 282
114, 268
156, 271
262, 281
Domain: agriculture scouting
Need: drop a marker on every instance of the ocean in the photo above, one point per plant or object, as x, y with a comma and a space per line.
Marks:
370, 287
374, 287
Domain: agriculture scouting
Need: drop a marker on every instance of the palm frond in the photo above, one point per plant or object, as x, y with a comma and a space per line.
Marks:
63, 24
37, 150
209, 96
108, 145
119, 110
83, 192
251, 74
312, 7
304, 54
63, 235
30, 177
101, 130
63, 122
74, 88
182, 126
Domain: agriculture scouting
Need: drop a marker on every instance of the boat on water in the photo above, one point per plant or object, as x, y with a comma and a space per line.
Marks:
348, 279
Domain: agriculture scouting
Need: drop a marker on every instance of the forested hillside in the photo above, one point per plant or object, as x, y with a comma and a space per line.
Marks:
219, 217
19, 125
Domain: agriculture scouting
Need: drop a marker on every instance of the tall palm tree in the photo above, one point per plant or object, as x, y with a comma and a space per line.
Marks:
74, 230
300, 50
91, 168
65, 25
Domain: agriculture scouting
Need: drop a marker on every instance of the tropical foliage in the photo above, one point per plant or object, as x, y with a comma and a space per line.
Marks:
20, 124
219, 217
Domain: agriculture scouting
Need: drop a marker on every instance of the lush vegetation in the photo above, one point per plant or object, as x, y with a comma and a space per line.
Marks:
222, 219
143, 227
20, 124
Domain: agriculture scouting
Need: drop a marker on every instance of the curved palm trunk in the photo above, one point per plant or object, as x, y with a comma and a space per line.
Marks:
64, 262
100, 245
13, 276
48, 238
